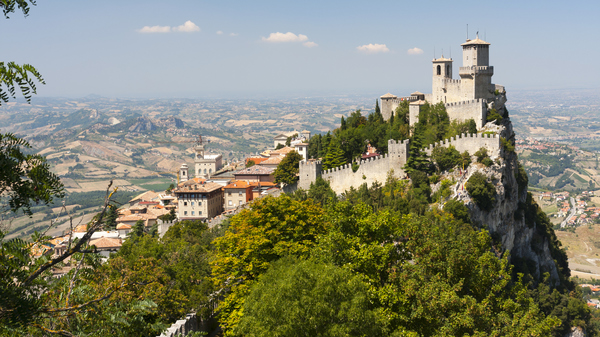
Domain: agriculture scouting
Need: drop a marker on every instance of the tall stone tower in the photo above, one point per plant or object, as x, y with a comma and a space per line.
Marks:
442, 76
476, 72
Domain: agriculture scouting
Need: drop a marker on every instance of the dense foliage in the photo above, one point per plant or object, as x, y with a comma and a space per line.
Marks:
287, 170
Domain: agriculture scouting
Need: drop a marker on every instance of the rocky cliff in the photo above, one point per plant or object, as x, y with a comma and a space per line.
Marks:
515, 220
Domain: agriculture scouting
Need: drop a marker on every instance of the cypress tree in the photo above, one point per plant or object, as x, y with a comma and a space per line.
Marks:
334, 156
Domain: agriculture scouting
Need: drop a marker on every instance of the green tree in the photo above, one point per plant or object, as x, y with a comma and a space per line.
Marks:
334, 156
320, 191
270, 229
111, 217
417, 159
482, 191
251, 162
287, 170
138, 230
445, 158
308, 298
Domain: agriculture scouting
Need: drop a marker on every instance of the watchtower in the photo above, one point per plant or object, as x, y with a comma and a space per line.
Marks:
476, 72
442, 73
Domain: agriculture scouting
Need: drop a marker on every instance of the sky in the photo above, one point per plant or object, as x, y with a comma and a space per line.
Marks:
244, 49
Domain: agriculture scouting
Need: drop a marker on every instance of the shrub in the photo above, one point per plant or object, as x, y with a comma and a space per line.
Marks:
481, 154
482, 192
446, 158
465, 159
487, 162
493, 116
355, 166
458, 210
507, 145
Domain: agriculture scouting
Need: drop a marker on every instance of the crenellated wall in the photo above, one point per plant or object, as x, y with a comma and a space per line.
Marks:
471, 143
370, 170
465, 110
377, 168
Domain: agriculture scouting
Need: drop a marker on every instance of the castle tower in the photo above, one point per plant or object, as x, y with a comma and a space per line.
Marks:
476, 72
389, 103
442, 72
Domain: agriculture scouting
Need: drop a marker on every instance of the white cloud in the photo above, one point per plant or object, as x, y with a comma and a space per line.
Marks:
155, 29
187, 27
415, 51
233, 34
310, 44
287, 37
219, 32
373, 48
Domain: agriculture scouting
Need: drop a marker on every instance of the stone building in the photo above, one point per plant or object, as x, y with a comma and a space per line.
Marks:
466, 98
198, 199
256, 173
205, 164
236, 194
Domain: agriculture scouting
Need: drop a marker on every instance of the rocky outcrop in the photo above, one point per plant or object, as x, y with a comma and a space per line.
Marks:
142, 124
506, 221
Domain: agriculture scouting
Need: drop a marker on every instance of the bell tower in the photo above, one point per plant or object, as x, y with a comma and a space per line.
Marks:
442, 72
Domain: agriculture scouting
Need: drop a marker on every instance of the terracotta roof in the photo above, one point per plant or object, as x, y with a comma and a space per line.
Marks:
137, 208
256, 160
237, 184
476, 41
255, 170
282, 151
192, 181
388, 95
158, 211
417, 93
106, 243
148, 195
261, 183
419, 102
149, 203
275, 160
301, 144
123, 226
198, 187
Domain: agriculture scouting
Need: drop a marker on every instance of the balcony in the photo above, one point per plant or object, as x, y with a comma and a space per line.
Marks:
476, 70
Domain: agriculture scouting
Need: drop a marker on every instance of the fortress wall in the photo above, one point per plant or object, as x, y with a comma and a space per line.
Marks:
465, 110
308, 173
370, 170
453, 90
471, 143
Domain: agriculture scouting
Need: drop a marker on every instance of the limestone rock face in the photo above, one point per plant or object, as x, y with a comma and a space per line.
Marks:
504, 222
576, 332
142, 124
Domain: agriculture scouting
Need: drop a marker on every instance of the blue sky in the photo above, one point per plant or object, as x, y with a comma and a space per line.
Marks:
102, 47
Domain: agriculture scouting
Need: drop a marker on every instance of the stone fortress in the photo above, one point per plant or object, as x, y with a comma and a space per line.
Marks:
470, 97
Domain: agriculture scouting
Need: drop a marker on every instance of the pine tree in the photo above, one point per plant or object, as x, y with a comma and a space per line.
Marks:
334, 156
417, 160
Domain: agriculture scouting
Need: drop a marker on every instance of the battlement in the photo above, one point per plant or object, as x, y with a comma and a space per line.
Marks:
473, 101
476, 70
397, 142
450, 81
470, 143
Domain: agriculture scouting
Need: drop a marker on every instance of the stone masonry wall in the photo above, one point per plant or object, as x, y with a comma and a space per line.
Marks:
471, 143
465, 110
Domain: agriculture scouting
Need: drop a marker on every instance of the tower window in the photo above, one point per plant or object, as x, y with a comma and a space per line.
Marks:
439, 70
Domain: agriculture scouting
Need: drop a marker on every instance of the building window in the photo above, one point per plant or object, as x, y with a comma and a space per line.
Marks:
204, 171
229, 194
209, 170
439, 70
240, 193
185, 203
200, 213
184, 212
192, 212
240, 202
230, 202
192, 203
199, 204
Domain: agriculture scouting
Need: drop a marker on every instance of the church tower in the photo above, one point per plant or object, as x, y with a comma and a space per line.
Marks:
442, 72
199, 157
476, 72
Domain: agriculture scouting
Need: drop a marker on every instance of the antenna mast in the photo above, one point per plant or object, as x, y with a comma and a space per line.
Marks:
467, 32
